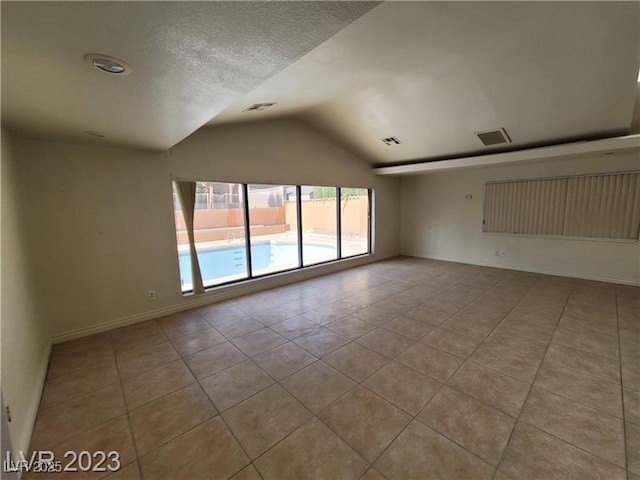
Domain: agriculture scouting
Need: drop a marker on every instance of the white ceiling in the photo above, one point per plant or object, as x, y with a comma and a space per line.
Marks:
430, 73
190, 61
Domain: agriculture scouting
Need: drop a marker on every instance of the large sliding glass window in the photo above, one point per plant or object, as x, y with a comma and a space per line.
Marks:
219, 229
319, 226
219, 235
273, 221
354, 221
243, 231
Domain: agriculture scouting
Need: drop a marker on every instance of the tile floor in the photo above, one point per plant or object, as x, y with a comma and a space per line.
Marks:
402, 369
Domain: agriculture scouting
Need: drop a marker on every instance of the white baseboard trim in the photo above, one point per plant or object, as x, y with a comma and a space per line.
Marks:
523, 268
224, 293
231, 291
22, 443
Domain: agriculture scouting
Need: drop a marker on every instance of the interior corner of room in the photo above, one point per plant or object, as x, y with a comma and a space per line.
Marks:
290, 93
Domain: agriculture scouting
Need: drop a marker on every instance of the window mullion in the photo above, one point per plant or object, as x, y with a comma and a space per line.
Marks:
299, 214
369, 220
339, 220
247, 228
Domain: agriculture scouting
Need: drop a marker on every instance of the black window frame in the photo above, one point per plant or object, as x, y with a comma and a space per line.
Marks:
301, 266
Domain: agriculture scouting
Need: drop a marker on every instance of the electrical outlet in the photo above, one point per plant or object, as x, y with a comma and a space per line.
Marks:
152, 294
501, 253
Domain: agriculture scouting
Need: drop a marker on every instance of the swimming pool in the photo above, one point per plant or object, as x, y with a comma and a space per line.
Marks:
229, 262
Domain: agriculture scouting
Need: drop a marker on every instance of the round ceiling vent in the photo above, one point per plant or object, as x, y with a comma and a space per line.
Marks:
107, 64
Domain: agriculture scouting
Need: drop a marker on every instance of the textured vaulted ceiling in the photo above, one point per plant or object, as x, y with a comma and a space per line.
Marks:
430, 73
190, 61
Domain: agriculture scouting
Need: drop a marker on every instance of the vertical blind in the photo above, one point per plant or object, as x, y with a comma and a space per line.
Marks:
606, 206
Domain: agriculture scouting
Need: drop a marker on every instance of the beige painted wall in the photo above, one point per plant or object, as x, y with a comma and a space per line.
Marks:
88, 230
438, 222
25, 337
104, 216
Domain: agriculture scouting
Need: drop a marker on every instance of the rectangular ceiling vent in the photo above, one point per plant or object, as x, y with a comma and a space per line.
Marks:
493, 137
259, 106
391, 141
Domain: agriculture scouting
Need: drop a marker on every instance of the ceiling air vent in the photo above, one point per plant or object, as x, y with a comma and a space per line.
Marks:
391, 141
493, 137
259, 106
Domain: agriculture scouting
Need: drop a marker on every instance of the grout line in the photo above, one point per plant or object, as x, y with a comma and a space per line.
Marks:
582, 372
197, 381
74, 397
126, 408
582, 450
536, 374
624, 416
597, 409
414, 417
276, 382
288, 435
316, 415
240, 445
356, 383
468, 358
193, 427
577, 447
219, 414
181, 357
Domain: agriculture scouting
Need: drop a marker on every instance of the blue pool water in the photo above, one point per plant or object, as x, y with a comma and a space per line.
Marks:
230, 262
